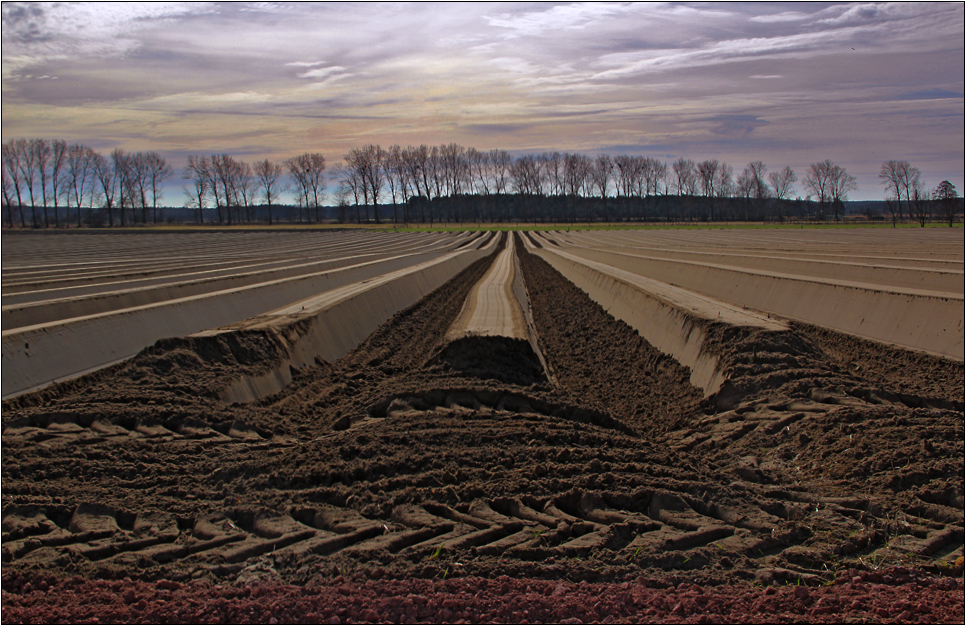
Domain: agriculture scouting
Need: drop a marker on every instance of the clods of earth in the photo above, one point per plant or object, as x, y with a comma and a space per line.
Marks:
406, 482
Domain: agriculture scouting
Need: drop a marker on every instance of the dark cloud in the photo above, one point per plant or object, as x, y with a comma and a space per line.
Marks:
24, 23
736, 125
930, 94
496, 129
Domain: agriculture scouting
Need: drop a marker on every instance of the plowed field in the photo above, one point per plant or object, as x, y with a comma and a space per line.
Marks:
424, 479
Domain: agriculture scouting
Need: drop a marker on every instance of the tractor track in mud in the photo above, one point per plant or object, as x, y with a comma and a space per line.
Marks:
399, 462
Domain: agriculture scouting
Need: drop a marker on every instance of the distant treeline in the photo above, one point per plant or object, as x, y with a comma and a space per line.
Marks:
50, 183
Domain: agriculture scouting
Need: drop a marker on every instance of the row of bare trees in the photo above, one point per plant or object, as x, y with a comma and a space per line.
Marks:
42, 177
435, 175
235, 187
907, 192
439, 173
425, 183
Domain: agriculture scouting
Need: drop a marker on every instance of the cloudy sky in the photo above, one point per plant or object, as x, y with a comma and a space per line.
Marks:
788, 84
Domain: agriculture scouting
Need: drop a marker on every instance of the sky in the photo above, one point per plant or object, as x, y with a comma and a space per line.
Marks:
788, 84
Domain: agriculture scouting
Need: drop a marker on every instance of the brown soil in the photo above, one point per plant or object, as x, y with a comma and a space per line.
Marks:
406, 482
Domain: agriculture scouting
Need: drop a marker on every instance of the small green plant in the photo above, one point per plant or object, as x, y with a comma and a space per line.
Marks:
635, 555
436, 553
446, 571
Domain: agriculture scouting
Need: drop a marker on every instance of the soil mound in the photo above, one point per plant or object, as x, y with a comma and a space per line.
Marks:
486, 357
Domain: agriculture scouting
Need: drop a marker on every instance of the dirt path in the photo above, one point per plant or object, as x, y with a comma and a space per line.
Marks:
400, 484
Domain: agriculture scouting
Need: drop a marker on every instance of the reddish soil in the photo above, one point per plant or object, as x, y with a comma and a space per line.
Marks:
416, 482
889, 596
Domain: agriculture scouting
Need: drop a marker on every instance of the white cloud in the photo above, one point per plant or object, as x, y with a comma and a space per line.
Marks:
325, 72
236, 96
860, 13
787, 16
559, 17
306, 63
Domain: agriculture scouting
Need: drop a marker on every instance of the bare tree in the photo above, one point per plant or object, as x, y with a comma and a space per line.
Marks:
351, 183
751, 185
396, 179
80, 176
13, 177
576, 178
237, 186
757, 174
655, 177
220, 176
910, 180
158, 172
419, 166
627, 171
58, 156
27, 164
479, 165
435, 168
373, 174
398, 165
7, 188
707, 172
554, 164
247, 186
519, 174
139, 172
899, 179
841, 184
577, 171
357, 165
107, 184
197, 171
317, 180
817, 181
125, 179
601, 174
307, 171
456, 173
782, 182
920, 204
501, 160
890, 175
724, 181
686, 179
298, 170
706, 176
42, 152
745, 188
268, 175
